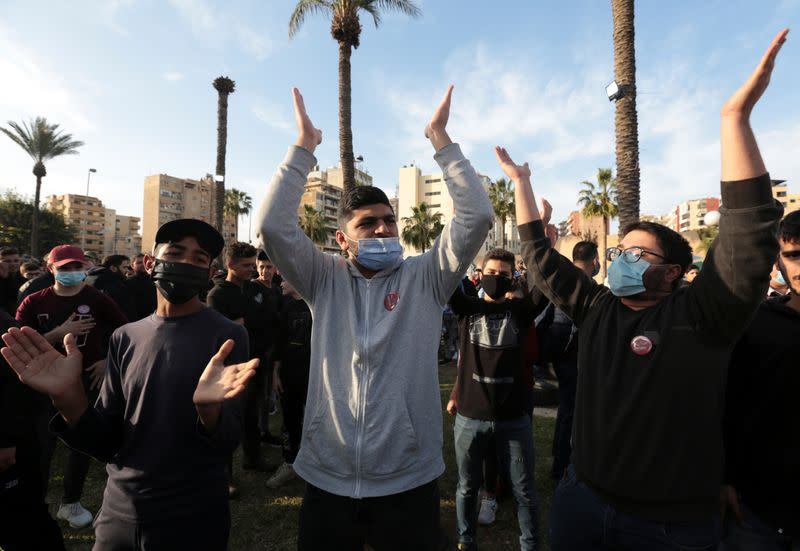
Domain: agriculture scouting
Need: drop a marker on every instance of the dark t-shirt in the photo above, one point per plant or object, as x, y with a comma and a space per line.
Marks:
293, 345
143, 294
45, 310
253, 302
490, 384
145, 425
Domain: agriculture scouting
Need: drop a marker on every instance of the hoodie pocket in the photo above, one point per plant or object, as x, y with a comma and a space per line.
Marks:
390, 441
330, 440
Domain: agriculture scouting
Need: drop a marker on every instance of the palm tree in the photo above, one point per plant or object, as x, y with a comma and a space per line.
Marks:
238, 203
600, 201
625, 122
224, 87
313, 224
346, 30
501, 194
422, 227
42, 141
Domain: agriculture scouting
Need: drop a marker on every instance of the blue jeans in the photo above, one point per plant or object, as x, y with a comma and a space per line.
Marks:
581, 520
754, 535
514, 440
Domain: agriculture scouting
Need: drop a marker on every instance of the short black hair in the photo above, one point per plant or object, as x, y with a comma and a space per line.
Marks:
789, 228
262, 256
114, 260
8, 251
238, 250
138, 255
674, 246
584, 251
499, 254
693, 267
360, 197
29, 266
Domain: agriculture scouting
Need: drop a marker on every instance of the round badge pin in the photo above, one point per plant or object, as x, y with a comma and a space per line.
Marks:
641, 345
83, 309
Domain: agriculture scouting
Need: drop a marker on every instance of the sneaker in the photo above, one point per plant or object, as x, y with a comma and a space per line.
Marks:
75, 514
284, 474
488, 511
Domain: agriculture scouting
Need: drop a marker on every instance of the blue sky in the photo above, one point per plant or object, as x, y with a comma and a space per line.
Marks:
132, 78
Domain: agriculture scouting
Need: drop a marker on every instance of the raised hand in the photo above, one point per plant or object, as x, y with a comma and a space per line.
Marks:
545, 210
310, 136
436, 130
517, 173
220, 382
39, 365
745, 98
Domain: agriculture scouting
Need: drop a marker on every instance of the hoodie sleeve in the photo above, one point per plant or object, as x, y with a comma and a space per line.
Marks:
298, 260
462, 237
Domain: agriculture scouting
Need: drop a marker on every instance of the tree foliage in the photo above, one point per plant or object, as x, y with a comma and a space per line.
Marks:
501, 194
313, 224
16, 212
422, 227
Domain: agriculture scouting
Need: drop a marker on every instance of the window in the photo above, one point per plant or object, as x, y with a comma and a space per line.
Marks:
187, 185
435, 206
781, 194
166, 193
433, 180
429, 193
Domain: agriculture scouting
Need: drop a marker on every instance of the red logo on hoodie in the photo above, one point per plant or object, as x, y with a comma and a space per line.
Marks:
390, 301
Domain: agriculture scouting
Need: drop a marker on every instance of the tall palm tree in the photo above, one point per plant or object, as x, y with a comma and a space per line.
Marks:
313, 224
501, 194
346, 30
625, 122
422, 227
238, 203
42, 141
600, 201
224, 87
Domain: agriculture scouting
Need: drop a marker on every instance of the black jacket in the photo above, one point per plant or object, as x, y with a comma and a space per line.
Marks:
762, 443
113, 285
143, 295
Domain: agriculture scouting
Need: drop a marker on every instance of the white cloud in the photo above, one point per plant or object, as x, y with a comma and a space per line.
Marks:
273, 117
110, 10
172, 76
218, 25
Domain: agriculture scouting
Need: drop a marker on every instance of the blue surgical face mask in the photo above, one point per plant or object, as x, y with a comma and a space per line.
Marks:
70, 279
779, 279
378, 253
626, 278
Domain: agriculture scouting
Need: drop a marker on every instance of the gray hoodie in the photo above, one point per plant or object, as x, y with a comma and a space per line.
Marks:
373, 422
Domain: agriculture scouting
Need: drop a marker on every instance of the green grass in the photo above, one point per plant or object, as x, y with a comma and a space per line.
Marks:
264, 519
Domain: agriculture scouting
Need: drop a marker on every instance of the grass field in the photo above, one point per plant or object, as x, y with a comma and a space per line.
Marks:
265, 519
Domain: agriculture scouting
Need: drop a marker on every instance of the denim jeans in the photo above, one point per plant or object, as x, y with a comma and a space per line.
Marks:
514, 441
581, 520
752, 534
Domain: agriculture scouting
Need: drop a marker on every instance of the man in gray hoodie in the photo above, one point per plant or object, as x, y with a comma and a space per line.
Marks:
372, 437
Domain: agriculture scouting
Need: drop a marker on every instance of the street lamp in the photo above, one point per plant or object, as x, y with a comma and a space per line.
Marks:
614, 91
89, 177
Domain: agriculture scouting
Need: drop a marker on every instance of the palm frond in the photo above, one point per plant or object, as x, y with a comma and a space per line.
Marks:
303, 9
406, 7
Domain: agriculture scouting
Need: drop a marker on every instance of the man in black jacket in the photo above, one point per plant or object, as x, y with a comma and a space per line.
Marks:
109, 278
25, 522
142, 289
762, 447
647, 459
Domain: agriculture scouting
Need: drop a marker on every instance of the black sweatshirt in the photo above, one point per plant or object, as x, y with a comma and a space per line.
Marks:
490, 383
762, 443
647, 432
293, 344
161, 463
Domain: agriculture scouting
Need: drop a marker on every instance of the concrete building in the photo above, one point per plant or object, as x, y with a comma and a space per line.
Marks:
100, 230
689, 215
169, 198
589, 228
790, 201
323, 191
415, 188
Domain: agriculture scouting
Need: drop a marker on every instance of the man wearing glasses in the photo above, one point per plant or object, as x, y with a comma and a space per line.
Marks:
647, 461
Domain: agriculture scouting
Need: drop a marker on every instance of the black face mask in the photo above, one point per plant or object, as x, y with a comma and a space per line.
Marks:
496, 285
179, 282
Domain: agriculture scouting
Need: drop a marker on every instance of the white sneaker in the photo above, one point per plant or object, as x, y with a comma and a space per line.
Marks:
488, 511
75, 514
284, 474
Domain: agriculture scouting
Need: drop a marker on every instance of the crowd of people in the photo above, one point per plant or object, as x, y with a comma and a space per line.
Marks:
675, 428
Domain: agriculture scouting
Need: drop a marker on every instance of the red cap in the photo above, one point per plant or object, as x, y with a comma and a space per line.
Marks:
64, 254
